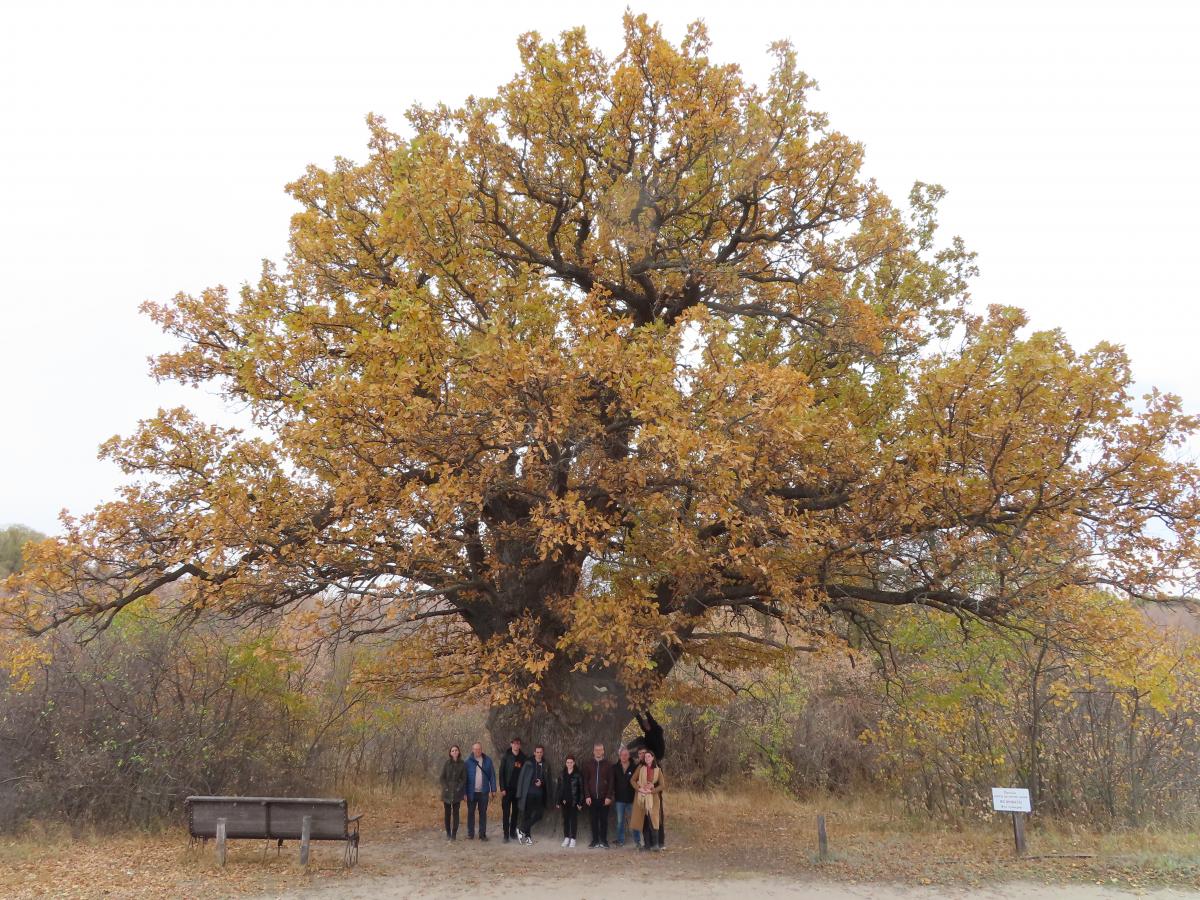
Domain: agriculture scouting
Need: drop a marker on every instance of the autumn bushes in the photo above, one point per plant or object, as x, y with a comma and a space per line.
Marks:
122, 728
1087, 703
796, 728
1091, 706
1084, 700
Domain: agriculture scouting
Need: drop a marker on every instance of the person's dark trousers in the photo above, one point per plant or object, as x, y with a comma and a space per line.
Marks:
452, 817
509, 811
599, 814
479, 803
662, 823
533, 812
570, 816
649, 833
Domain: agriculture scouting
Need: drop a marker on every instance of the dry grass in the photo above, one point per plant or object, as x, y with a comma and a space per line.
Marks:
870, 839
144, 865
710, 835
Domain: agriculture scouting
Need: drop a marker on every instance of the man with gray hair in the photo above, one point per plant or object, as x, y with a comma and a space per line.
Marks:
623, 793
481, 783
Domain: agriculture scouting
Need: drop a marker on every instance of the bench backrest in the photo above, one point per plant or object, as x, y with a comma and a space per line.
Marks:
266, 817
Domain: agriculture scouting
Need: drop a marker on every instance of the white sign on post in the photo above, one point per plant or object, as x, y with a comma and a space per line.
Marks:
1011, 800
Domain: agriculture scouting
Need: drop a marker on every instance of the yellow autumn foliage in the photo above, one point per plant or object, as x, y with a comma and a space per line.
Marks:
557, 388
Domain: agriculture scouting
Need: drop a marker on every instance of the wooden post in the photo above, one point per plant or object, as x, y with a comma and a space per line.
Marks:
305, 834
1019, 832
221, 842
822, 839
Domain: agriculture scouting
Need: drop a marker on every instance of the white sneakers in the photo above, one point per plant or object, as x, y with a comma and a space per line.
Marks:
566, 842
572, 842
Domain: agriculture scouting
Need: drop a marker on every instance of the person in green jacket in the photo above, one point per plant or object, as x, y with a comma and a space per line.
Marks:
454, 788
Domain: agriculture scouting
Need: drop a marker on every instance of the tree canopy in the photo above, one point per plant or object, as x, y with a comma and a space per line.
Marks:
604, 372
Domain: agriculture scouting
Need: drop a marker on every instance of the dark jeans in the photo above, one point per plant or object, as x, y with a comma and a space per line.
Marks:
570, 820
508, 813
599, 814
662, 822
533, 812
479, 803
452, 817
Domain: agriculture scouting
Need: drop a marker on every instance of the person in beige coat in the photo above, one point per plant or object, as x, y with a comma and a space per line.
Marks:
648, 784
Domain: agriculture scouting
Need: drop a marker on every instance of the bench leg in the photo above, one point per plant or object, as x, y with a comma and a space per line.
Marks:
305, 833
350, 857
221, 842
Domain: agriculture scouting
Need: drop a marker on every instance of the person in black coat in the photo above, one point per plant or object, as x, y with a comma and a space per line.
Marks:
533, 793
653, 735
623, 793
510, 772
570, 799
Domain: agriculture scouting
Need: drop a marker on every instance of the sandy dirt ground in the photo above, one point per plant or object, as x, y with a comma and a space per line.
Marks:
427, 866
727, 888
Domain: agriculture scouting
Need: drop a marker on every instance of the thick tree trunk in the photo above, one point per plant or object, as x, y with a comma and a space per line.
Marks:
575, 710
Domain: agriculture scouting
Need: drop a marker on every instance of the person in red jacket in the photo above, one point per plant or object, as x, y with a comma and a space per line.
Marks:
598, 794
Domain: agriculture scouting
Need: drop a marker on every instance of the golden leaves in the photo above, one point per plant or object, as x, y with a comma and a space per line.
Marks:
575, 371
511, 666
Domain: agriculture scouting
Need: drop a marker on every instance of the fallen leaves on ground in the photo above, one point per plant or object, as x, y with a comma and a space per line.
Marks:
710, 835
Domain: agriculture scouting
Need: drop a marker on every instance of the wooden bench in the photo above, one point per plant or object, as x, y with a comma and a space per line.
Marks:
302, 819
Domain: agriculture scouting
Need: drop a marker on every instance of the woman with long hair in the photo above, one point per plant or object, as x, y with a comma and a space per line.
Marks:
648, 784
454, 788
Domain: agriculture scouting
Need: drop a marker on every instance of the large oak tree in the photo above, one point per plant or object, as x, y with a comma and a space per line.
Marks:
624, 366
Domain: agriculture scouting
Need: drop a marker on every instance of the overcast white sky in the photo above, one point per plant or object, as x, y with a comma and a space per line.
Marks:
144, 148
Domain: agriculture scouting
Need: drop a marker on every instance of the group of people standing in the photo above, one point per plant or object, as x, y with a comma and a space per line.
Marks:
631, 787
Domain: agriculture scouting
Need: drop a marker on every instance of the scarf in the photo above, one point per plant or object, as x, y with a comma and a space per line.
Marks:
647, 799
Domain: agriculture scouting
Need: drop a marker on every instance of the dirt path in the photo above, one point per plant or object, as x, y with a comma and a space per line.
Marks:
661, 887
424, 865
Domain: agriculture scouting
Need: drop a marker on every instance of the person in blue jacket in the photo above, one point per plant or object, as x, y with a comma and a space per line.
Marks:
481, 784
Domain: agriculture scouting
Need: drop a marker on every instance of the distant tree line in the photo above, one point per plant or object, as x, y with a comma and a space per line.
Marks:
12, 539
